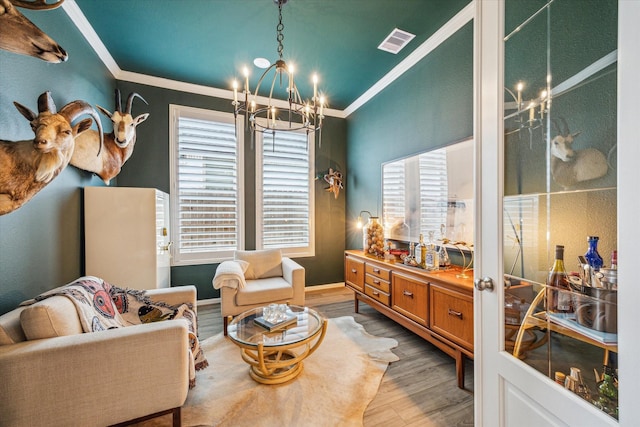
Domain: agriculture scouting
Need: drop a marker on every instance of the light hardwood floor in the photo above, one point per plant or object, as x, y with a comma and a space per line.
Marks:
418, 390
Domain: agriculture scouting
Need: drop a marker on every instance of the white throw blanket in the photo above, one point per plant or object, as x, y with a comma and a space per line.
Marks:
230, 274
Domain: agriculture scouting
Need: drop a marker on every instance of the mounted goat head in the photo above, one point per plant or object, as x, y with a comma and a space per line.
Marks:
19, 35
569, 166
28, 166
118, 145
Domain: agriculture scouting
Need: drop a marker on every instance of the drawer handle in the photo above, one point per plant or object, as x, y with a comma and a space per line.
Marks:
455, 313
376, 270
376, 281
354, 271
376, 293
407, 293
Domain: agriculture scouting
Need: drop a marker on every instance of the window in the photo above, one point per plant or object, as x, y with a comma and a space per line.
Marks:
405, 214
206, 185
434, 191
284, 192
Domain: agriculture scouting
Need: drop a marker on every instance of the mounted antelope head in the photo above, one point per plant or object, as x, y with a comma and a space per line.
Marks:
19, 35
28, 166
118, 145
569, 166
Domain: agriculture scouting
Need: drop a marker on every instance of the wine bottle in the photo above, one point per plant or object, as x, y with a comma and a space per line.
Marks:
558, 289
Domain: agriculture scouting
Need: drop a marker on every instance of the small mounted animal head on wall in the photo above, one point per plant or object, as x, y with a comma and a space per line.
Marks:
28, 166
334, 179
118, 144
569, 166
19, 35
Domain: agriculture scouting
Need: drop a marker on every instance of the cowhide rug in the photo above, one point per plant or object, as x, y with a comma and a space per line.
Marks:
336, 385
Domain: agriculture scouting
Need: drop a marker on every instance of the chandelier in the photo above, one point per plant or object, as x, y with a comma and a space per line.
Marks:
299, 116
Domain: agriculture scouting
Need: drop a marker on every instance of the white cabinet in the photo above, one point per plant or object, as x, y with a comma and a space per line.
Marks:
127, 236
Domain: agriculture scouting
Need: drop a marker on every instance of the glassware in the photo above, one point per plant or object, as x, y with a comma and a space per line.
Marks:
592, 256
443, 255
373, 237
431, 259
558, 289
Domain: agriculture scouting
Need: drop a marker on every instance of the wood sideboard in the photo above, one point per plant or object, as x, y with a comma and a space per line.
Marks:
437, 306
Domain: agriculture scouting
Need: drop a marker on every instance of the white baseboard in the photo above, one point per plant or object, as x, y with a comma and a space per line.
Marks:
316, 288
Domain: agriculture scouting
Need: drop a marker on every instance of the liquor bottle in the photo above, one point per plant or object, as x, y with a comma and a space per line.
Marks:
419, 252
607, 399
558, 289
614, 260
592, 256
431, 257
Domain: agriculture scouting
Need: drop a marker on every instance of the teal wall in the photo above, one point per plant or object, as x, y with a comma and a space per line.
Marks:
149, 167
41, 242
429, 106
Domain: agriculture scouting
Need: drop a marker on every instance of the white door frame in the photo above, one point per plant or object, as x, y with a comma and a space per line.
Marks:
499, 377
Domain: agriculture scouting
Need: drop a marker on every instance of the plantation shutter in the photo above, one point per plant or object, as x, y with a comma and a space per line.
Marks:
284, 197
394, 193
207, 184
434, 191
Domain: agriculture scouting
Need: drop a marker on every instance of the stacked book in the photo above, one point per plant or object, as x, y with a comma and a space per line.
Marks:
291, 319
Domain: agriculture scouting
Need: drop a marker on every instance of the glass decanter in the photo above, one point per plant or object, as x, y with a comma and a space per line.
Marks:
443, 255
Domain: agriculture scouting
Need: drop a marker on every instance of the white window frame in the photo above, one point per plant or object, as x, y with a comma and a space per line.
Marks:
292, 252
176, 111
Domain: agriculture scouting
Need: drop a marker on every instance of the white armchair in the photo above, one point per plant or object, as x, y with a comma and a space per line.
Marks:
256, 279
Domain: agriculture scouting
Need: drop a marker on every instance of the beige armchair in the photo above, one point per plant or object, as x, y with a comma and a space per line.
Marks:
258, 278
92, 379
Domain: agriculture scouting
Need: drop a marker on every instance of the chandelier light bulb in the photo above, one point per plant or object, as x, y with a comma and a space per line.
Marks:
315, 87
235, 91
245, 72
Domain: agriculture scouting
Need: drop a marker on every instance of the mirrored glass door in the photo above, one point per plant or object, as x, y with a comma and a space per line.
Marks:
560, 193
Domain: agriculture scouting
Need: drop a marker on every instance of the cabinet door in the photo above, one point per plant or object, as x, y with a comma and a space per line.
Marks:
410, 297
354, 273
451, 315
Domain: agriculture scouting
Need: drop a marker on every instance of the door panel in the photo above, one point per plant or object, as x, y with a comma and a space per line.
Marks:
524, 395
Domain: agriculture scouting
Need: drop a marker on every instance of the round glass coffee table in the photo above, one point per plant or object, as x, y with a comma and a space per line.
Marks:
276, 356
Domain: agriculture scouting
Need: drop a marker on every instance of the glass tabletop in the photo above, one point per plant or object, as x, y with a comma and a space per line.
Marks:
245, 330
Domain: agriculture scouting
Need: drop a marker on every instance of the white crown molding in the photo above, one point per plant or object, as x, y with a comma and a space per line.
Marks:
446, 31
78, 18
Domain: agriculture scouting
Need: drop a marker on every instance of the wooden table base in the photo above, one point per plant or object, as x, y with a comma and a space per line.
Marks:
279, 364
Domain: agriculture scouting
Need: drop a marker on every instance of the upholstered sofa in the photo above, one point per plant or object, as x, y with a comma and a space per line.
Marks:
258, 278
53, 374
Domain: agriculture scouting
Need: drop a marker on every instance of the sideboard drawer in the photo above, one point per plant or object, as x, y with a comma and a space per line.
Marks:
377, 294
452, 315
410, 297
379, 272
383, 285
354, 273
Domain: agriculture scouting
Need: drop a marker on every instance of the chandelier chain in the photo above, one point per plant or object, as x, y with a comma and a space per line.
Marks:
301, 115
279, 29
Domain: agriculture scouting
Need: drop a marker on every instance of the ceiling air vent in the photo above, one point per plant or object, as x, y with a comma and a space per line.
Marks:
395, 41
